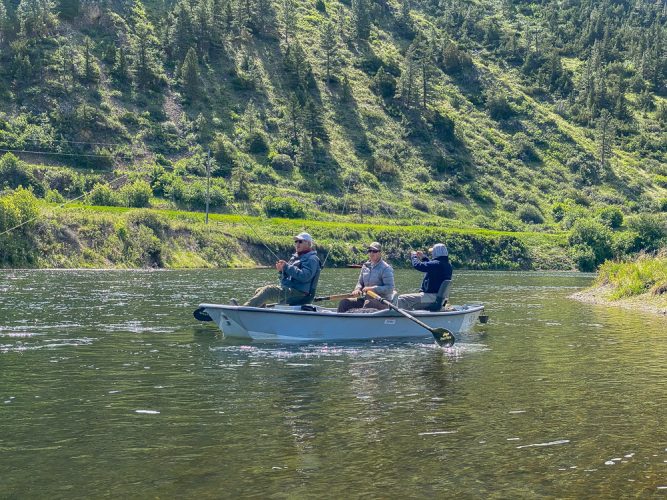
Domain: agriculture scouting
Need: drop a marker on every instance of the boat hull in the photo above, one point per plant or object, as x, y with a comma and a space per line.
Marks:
291, 324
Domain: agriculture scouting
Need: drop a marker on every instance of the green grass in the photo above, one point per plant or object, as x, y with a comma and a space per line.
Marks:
630, 279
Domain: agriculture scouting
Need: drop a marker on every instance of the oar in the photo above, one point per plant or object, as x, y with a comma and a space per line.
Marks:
333, 297
442, 336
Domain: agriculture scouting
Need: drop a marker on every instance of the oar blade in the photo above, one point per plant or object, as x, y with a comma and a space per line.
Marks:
443, 337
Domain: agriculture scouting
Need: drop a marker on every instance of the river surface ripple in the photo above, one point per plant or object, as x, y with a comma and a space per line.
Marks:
109, 388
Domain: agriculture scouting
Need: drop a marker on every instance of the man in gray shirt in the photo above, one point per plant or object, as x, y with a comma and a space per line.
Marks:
375, 275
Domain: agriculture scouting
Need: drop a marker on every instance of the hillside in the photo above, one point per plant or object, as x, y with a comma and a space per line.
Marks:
509, 116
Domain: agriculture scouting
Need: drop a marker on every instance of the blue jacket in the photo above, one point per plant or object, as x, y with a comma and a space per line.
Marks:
437, 271
302, 272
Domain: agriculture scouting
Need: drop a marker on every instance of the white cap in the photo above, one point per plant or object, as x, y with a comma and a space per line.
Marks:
438, 250
304, 237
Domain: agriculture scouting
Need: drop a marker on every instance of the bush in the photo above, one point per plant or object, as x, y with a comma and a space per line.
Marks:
530, 214
137, 194
257, 142
282, 163
18, 247
103, 195
584, 258
15, 173
590, 233
280, 206
420, 205
225, 154
651, 230
384, 84
499, 108
611, 217
443, 125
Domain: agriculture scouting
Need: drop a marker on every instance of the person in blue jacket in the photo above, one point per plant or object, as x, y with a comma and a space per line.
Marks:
437, 269
298, 277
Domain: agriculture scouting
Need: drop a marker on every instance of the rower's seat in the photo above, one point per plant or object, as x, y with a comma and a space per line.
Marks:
440, 299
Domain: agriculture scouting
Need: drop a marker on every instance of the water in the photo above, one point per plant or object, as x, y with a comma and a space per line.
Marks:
109, 388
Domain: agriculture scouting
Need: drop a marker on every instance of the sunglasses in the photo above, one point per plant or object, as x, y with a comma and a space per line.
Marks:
298, 241
372, 251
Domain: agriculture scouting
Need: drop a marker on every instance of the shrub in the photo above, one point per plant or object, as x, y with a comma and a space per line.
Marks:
499, 108
257, 142
530, 214
443, 125
584, 258
103, 195
282, 163
591, 233
651, 230
225, 154
280, 206
420, 205
16, 173
137, 194
384, 84
611, 217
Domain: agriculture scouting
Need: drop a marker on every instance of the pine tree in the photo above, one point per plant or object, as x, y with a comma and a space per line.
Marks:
181, 33
90, 69
121, 70
145, 55
305, 157
605, 136
4, 25
190, 78
329, 44
36, 17
288, 18
408, 77
361, 19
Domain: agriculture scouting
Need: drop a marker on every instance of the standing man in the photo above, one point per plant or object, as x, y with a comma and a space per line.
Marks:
375, 275
437, 269
298, 277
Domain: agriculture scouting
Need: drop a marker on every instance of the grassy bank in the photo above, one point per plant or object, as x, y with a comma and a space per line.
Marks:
112, 237
639, 284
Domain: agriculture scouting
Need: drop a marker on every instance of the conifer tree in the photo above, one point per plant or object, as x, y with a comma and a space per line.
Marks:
288, 18
361, 18
305, 157
605, 135
36, 17
181, 33
4, 25
190, 75
145, 55
329, 44
90, 68
121, 70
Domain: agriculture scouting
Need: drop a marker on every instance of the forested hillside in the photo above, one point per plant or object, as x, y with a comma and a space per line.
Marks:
508, 115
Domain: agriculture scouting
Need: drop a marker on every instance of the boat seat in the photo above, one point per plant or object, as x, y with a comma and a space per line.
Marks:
441, 298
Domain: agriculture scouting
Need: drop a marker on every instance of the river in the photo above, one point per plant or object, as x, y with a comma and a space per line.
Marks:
109, 388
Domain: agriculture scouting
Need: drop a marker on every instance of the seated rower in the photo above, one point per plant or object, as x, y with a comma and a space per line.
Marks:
375, 275
438, 270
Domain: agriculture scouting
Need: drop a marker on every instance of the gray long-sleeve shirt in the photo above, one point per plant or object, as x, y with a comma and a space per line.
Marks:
380, 275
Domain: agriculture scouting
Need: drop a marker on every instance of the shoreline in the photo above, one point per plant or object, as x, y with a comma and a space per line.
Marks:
647, 302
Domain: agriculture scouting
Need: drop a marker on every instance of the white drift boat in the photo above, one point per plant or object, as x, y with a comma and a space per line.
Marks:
320, 324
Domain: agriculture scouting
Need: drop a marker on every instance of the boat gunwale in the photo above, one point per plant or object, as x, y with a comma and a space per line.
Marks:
385, 313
